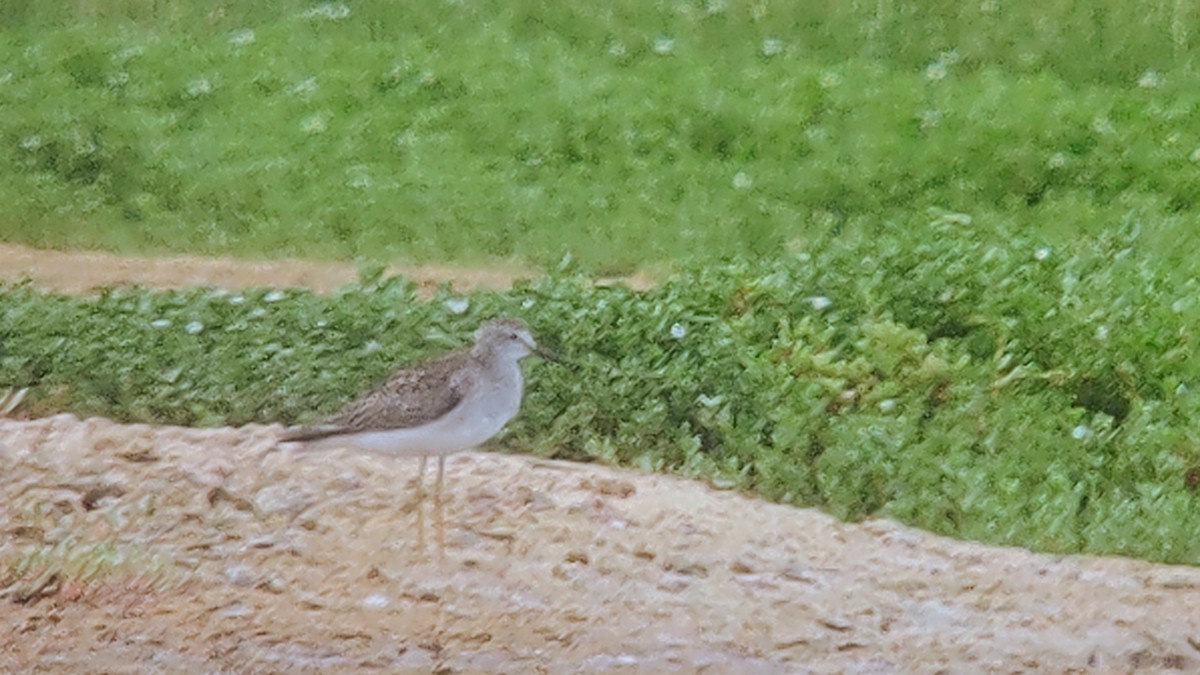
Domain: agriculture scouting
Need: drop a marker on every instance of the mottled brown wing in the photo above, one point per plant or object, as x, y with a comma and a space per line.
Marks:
409, 398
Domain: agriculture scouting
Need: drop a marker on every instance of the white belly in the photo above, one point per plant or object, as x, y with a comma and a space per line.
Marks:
439, 438
481, 415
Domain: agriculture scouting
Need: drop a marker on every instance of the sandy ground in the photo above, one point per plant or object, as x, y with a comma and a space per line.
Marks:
78, 272
186, 550
224, 560
81, 272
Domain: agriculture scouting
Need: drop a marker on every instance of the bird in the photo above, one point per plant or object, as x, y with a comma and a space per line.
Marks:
436, 407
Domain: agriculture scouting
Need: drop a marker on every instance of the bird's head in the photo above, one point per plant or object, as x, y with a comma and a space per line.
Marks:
510, 338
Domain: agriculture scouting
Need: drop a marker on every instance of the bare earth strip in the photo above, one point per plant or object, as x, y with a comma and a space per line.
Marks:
81, 272
315, 563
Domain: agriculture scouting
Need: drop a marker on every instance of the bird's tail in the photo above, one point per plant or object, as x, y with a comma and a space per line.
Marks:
296, 438
310, 433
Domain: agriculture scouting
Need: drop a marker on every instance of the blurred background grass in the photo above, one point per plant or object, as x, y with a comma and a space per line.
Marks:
624, 134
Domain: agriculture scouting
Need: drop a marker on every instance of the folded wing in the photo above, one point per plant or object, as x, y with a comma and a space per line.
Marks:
410, 398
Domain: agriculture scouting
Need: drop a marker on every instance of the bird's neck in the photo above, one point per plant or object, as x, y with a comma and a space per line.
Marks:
501, 376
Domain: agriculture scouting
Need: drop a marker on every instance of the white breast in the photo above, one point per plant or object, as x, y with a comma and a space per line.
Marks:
493, 398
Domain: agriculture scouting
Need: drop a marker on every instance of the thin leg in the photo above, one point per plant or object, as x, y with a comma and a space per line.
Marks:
421, 502
441, 515
421, 478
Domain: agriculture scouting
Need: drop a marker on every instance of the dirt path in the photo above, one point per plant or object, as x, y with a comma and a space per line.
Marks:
80, 272
313, 563
83, 272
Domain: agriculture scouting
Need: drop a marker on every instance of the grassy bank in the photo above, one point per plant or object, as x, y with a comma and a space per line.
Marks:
976, 384
620, 134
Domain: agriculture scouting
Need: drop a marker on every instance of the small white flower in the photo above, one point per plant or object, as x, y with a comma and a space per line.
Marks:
199, 87
772, 47
313, 124
84, 146
714, 6
237, 300
33, 142
304, 87
935, 71
815, 133
129, 53
820, 302
372, 346
1102, 125
241, 37
193, 327
457, 305
1101, 332
527, 303
1056, 161
160, 323
664, 46
1149, 79
956, 218
359, 180
931, 119
274, 296
329, 10
742, 180
678, 331
988, 6
830, 79
1041, 254
887, 405
1080, 432
1181, 389
616, 49
258, 313
950, 57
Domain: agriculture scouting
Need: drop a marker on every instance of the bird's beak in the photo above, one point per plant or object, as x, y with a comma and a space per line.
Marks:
556, 358
548, 355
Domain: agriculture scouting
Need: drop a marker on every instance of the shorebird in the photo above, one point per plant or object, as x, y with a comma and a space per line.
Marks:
436, 407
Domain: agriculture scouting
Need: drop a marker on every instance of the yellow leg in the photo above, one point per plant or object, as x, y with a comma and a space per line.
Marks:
441, 515
421, 502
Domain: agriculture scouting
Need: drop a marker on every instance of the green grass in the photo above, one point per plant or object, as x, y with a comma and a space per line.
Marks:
32, 571
976, 384
622, 134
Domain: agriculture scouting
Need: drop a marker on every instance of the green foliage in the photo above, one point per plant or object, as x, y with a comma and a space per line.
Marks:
622, 133
973, 383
